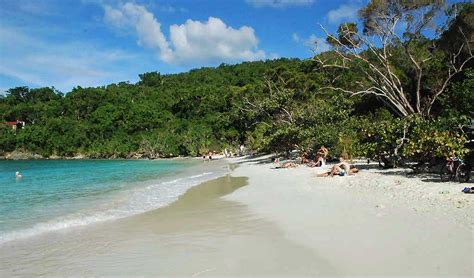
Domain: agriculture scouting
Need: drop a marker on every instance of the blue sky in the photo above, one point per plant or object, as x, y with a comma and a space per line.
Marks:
68, 43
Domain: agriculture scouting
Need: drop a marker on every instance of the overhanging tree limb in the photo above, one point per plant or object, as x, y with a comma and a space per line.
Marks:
385, 57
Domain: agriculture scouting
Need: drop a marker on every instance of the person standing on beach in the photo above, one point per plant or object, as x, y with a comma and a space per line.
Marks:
241, 149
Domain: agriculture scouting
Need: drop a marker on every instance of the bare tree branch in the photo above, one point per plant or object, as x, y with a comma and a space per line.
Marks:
371, 54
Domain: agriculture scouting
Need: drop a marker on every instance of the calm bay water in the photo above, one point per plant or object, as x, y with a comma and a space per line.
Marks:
59, 194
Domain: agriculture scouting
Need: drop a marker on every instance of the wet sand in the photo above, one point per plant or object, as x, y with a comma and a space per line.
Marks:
201, 234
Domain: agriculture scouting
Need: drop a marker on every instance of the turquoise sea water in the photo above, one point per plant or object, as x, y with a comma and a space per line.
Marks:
59, 194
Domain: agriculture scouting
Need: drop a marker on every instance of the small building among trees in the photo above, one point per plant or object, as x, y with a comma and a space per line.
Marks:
15, 125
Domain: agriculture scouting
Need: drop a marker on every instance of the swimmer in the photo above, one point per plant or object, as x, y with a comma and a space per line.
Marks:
18, 175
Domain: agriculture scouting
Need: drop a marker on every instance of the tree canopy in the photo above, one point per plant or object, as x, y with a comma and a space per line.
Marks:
378, 92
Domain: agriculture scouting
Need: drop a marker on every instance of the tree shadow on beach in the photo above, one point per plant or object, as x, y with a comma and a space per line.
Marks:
429, 177
257, 159
371, 166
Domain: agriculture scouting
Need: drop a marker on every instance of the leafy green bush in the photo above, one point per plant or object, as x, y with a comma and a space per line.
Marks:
413, 138
7, 139
435, 138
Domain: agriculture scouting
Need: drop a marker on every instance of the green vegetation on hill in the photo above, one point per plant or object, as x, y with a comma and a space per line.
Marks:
275, 105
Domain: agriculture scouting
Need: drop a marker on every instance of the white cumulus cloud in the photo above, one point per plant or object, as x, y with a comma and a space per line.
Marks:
189, 43
279, 3
343, 13
148, 29
37, 62
213, 40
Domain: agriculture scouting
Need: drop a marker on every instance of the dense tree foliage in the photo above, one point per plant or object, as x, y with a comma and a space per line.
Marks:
275, 105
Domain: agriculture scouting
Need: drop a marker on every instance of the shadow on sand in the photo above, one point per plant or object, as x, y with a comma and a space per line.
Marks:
409, 173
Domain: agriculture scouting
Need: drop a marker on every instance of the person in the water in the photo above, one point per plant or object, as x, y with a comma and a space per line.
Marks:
18, 175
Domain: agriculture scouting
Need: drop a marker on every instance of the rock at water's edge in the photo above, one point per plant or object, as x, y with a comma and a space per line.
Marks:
19, 155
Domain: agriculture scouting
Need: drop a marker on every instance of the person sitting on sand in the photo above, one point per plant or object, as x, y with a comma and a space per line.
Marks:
285, 165
338, 171
289, 165
319, 161
341, 169
305, 158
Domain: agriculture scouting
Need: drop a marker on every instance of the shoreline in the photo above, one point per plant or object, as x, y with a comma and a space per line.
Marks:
128, 197
198, 235
25, 155
35, 156
281, 222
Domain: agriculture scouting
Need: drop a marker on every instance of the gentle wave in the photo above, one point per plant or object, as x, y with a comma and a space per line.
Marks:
139, 201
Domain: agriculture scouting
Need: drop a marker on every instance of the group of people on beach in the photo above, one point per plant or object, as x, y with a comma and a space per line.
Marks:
343, 168
319, 161
240, 151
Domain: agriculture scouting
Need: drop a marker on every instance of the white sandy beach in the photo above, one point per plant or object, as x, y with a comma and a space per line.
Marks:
378, 222
284, 222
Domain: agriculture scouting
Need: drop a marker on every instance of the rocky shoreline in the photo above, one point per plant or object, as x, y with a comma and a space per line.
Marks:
25, 155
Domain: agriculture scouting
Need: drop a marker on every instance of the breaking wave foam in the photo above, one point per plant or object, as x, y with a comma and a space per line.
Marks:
137, 201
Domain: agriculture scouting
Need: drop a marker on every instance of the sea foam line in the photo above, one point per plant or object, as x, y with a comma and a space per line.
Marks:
140, 201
